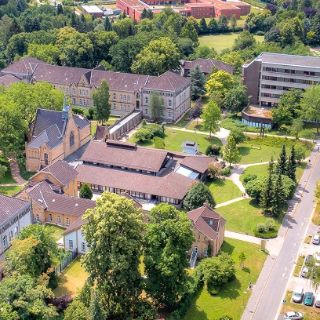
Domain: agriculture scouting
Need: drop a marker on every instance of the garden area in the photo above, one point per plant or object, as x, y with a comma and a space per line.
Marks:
233, 297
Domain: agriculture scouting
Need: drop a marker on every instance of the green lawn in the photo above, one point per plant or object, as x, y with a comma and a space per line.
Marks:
110, 122
7, 178
71, 280
57, 231
233, 298
10, 191
175, 138
221, 41
260, 149
223, 190
243, 216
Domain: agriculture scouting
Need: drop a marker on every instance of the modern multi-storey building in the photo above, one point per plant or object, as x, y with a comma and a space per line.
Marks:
127, 92
269, 75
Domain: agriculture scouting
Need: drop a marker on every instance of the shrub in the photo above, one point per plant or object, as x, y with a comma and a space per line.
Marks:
226, 171
61, 303
197, 195
300, 153
214, 170
261, 227
270, 225
213, 150
77, 110
249, 177
85, 191
159, 143
149, 131
90, 115
143, 134
238, 135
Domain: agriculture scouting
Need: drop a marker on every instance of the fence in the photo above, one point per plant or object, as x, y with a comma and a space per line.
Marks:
65, 262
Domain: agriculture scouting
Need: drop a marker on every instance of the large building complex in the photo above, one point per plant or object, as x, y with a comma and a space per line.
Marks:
128, 92
190, 8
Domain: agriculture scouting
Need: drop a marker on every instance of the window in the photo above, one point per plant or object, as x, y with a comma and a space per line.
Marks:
16, 230
170, 103
71, 139
70, 244
50, 217
146, 100
5, 242
46, 159
83, 246
67, 221
59, 220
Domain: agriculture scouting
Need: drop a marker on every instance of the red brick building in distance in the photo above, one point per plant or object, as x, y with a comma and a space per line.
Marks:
190, 8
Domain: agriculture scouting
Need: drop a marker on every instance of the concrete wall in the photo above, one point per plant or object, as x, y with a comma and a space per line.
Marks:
251, 79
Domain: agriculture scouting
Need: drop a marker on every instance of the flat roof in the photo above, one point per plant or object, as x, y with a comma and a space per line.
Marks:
92, 9
289, 59
260, 112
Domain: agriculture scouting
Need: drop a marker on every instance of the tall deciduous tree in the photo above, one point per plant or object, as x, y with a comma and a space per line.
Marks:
101, 102
197, 83
189, 31
211, 115
310, 105
165, 261
230, 151
197, 196
114, 236
235, 99
156, 106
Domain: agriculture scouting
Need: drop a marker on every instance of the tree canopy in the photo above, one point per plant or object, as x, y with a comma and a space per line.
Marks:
197, 196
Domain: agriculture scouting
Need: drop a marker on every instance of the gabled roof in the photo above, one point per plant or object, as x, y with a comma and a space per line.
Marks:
197, 163
51, 137
168, 81
206, 221
8, 79
24, 66
208, 65
10, 206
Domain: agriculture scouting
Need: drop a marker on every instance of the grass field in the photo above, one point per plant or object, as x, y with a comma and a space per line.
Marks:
174, 140
10, 191
262, 170
260, 149
309, 313
7, 178
243, 216
233, 298
223, 190
71, 280
221, 41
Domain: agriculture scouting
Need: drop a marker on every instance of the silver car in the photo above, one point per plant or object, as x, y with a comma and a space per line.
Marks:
293, 315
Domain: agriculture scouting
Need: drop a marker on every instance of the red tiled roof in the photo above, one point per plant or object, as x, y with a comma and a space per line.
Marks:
117, 154
206, 221
173, 185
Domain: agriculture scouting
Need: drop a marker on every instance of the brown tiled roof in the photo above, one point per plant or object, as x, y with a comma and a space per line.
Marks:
208, 65
197, 163
9, 207
206, 221
173, 185
8, 79
124, 155
77, 224
62, 171
168, 81
24, 66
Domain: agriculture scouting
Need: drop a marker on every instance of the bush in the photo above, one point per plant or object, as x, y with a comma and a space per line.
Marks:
143, 134
261, 227
260, 33
266, 230
77, 110
197, 195
270, 225
90, 114
213, 150
85, 191
226, 172
249, 177
159, 143
149, 131
214, 170
238, 135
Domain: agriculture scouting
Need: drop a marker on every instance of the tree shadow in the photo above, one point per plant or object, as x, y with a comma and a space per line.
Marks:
231, 291
244, 150
246, 269
62, 288
227, 247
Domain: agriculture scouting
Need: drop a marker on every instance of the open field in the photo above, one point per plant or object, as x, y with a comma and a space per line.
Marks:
221, 41
174, 140
243, 216
223, 190
71, 280
233, 298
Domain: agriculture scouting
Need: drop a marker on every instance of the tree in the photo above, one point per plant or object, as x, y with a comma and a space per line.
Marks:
282, 162
197, 83
107, 24
186, 46
156, 106
34, 252
3, 170
242, 259
310, 105
166, 262
76, 310
197, 195
203, 26
26, 297
238, 135
45, 52
189, 31
157, 57
235, 99
214, 170
216, 272
267, 192
101, 101
211, 116
230, 151
85, 191
213, 26
114, 236
278, 199
233, 22
292, 165
244, 40
124, 27
296, 127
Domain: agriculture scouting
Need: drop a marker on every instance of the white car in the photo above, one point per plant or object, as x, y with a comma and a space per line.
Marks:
305, 272
293, 315
316, 239
297, 295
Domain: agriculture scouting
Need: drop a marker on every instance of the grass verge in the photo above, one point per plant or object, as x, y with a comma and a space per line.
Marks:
298, 267
10, 191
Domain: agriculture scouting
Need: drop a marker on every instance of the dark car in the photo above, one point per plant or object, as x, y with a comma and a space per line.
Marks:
308, 299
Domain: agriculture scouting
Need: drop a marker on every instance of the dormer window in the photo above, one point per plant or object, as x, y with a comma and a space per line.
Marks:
210, 222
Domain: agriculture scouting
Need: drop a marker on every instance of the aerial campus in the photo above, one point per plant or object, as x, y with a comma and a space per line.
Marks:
160, 160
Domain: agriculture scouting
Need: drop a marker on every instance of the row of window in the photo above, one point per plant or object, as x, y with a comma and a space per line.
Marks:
291, 80
291, 71
58, 220
123, 97
12, 234
270, 95
83, 246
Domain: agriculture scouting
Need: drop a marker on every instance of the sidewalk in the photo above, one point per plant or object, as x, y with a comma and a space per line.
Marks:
15, 171
226, 203
242, 237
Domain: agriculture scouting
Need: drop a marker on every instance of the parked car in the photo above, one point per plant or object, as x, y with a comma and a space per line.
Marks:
317, 301
309, 259
316, 239
297, 296
305, 272
293, 315
308, 299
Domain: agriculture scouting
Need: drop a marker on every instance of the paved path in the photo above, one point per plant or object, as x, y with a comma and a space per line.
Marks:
226, 203
270, 288
243, 237
15, 171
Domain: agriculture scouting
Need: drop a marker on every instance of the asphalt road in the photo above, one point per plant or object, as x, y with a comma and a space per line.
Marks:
267, 294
